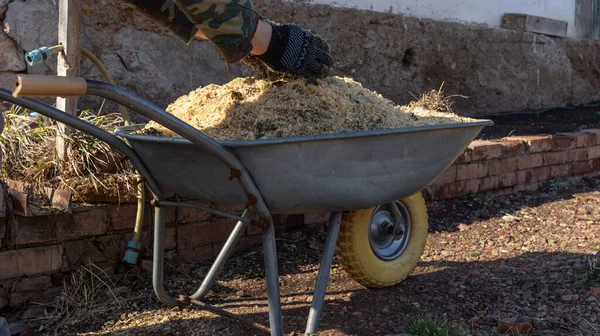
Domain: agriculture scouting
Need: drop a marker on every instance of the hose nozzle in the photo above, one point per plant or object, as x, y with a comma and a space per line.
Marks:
37, 56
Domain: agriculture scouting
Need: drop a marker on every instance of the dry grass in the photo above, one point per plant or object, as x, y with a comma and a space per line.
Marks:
28, 144
87, 292
434, 100
253, 108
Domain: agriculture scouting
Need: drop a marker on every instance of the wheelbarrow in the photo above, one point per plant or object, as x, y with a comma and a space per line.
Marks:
370, 182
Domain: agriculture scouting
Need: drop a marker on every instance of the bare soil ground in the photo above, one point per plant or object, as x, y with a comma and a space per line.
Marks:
545, 122
527, 257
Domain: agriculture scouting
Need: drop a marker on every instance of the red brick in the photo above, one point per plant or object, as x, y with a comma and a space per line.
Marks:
453, 190
582, 139
50, 294
522, 177
31, 284
595, 133
30, 261
527, 187
294, 221
596, 164
9, 267
594, 152
581, 167
511, 147
465, 157
508, 180
60, 199
529, 161
147, 242
122, 216
472, 186
563, 142
35, 230
485, 150
448, 176
489, 183
170, 215
539, 174
320, 218
231, 209
22, 298
80, 252
592, 174
170, 238
199, 234
554, 158
503, 192
445, 192
189, 215
536, 143
579, 154
244, 244
255, 229
502, 166
111, 247
86, 221
40, 260
195, 254
561, 170
472, 171
20, 202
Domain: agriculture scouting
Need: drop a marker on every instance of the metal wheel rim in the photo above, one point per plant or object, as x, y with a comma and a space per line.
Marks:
383, 244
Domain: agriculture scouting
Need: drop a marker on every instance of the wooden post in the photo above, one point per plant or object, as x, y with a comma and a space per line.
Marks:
69, 35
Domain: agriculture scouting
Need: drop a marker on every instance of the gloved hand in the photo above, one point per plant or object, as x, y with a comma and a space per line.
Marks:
297, 51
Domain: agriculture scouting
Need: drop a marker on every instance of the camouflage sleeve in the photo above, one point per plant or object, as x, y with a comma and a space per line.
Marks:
228, 24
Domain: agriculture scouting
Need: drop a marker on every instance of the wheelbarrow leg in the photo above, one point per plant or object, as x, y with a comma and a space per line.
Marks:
272, 274
225, 253
158, 264
319, 296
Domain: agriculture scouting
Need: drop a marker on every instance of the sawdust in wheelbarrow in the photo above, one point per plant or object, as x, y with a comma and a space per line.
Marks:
251, 108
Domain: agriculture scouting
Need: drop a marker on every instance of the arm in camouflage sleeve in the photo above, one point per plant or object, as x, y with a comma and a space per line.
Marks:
237, 29
229, 24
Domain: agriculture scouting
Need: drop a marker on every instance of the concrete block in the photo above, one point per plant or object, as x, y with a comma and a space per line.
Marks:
535, 24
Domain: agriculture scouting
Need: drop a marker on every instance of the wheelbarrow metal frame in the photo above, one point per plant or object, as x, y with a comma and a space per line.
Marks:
239, 172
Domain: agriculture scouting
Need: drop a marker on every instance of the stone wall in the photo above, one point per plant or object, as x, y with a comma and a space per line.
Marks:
399, 56
499, 70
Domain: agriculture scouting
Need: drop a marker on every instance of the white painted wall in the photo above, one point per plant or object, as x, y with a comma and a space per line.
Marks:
488, 12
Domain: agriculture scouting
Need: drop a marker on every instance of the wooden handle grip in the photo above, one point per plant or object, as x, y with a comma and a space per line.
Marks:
48, 86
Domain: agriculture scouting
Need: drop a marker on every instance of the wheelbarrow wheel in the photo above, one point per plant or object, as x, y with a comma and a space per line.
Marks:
375, 255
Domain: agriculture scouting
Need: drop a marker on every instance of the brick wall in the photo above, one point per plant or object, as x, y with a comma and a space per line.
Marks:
36, 252
517, 164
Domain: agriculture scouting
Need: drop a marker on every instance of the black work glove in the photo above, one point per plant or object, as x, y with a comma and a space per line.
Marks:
297, 51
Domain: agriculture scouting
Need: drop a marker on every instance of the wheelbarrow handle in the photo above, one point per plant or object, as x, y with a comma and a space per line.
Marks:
55, 86
48, 86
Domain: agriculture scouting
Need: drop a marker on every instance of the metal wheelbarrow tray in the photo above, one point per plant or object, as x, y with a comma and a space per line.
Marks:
323, 173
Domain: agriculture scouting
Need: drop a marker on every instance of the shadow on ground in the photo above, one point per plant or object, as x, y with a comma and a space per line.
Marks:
543, 288
475, 293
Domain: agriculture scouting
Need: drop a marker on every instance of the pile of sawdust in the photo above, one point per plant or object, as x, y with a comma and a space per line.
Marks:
251, 108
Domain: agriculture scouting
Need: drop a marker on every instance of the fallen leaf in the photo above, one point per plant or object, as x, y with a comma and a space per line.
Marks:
516, 328
595, 291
